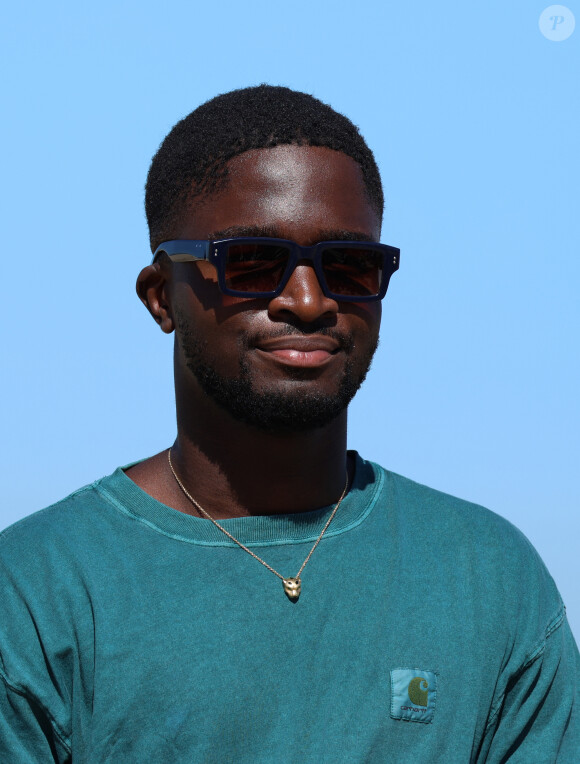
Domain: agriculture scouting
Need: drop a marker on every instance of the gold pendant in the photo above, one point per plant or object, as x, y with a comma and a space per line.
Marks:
292, 588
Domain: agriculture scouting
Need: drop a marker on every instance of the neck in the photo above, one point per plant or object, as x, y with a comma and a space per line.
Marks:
233, 469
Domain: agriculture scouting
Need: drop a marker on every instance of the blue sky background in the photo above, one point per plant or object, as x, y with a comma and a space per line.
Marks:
474, 119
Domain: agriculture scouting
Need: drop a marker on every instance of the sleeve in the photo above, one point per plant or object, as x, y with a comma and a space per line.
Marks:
537, 719
35, 653
27, 734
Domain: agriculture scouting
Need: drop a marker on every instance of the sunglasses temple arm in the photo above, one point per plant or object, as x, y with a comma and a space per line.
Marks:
183, 251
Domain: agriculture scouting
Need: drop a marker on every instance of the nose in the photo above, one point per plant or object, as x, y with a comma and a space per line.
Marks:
303, 298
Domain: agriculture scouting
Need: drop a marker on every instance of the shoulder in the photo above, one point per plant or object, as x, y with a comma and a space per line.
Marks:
51, 565
448, 518
473, 566
465, 540
67, 524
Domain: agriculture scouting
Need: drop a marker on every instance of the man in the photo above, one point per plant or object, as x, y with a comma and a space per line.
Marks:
255, 593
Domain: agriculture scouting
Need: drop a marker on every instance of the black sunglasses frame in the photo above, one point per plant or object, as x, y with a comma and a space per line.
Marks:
215, 252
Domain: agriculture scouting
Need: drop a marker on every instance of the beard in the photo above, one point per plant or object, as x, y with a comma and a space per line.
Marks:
296, 408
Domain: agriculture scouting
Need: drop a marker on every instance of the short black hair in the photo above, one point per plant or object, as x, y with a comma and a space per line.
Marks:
192, 159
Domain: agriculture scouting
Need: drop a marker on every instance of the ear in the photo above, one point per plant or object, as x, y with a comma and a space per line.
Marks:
152, 288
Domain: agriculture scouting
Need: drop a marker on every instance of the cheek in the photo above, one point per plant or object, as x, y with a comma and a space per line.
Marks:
371, 312
364, 319
196, 282
197, 290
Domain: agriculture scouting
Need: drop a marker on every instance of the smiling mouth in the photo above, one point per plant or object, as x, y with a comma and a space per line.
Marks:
300, 351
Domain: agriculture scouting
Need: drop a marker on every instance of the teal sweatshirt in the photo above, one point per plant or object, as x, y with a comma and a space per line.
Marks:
427, 630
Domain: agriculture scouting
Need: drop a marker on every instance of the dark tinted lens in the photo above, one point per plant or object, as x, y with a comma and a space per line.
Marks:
353, 272
255, 267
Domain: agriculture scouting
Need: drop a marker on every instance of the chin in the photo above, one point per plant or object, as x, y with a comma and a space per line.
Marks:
295, 406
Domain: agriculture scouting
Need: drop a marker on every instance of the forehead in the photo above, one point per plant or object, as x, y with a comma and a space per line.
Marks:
293, 192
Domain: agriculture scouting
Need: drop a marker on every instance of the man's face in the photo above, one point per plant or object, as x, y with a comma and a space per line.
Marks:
294, 362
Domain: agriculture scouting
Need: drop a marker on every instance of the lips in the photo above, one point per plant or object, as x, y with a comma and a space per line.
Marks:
295, 350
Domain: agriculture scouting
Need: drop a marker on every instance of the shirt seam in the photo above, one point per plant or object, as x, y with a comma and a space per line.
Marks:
119, 506
5, 533
553, 625
60, 734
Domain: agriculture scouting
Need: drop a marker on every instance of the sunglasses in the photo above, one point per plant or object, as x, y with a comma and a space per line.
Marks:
354, 271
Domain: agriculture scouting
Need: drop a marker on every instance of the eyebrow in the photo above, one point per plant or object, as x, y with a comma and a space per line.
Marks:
269, 232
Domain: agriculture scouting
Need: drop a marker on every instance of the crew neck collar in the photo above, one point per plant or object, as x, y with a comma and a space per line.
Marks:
263, 530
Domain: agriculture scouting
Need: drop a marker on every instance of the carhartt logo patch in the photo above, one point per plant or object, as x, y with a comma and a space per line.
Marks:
413, 694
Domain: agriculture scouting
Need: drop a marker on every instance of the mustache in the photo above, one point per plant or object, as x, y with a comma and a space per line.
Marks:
344, 341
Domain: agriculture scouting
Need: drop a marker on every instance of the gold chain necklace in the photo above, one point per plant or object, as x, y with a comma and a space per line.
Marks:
292, 586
